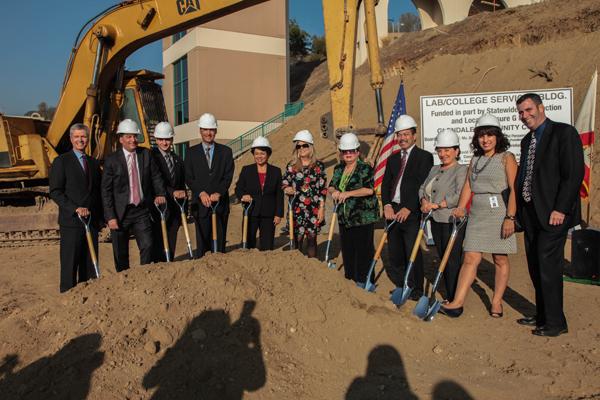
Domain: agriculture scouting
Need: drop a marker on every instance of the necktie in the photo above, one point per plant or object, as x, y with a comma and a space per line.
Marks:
135, 183
170, 165
84, 164
529, 170
402, 167
208, 156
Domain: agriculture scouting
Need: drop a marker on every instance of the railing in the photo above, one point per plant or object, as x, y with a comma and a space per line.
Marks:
243, 142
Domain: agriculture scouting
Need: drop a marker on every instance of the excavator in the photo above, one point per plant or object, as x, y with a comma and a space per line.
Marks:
99, 92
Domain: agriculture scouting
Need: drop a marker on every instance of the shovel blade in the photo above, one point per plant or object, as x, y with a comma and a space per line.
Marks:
401, 295
432, 311
370, 287
331, 265
422, 307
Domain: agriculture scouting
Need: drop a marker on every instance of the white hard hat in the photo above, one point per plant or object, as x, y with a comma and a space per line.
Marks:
207, 121
303, 136
447, 138
404, 122
260, 142
348, 141
487, 120
163, 130
128, 126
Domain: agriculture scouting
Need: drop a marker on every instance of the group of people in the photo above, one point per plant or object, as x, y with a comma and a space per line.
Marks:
540, 197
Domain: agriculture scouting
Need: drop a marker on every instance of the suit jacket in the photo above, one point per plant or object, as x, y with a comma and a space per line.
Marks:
115, 182
446, 185
171, 184
216, 179
416, 170
557, 174
268, 202
70, 188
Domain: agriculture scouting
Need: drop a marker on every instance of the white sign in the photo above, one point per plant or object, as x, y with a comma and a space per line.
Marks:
460, 111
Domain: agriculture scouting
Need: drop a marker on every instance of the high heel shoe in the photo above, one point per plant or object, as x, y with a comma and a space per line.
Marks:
451, 312
495, 314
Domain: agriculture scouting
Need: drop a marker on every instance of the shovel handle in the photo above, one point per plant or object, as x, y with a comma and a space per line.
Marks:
291, 221
245, 231
214, 225
185, 227
163, 228
90, 242
380, 246
415, 250
332, 226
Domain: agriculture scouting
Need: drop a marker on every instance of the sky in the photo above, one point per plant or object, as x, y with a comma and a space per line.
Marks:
36, 37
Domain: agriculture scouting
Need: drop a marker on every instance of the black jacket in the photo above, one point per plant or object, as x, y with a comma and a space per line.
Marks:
415, 172
268, 202
115, 182
216, 179
557, 174
70, 188
171, 184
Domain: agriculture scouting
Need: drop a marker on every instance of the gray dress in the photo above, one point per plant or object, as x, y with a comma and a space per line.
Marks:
484, 230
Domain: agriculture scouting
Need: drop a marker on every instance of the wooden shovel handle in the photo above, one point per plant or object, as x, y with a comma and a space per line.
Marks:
90, 242
185, 227
163, 228
291, 220
380, 246
415, 249
245, 229
332, 226
214, 226
447, 252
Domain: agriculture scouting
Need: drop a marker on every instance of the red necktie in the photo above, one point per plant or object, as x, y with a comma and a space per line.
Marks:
401, 172
135, 183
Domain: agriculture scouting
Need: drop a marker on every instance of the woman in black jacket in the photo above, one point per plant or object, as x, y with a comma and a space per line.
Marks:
261, 183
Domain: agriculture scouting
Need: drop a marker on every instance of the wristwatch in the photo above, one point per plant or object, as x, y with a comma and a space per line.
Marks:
511, 217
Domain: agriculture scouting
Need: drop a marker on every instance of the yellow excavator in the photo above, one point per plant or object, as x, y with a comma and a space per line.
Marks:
341, 20
98, 92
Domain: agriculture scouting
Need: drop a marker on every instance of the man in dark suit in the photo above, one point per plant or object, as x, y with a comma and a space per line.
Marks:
550, 174
130, 185
75, 187
405, 172
208, 173
173, 175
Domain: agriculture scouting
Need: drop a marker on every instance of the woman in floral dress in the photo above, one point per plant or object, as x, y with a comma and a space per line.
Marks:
305, 178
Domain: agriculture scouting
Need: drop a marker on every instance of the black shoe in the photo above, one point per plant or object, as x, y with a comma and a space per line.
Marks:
451, 312
529, 321
549, 332
497, 314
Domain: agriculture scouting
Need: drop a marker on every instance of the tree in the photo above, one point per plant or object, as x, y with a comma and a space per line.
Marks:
409, 22
318, 48
298, 40
44, 111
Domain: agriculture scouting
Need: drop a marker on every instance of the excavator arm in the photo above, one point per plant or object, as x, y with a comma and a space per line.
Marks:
98, 57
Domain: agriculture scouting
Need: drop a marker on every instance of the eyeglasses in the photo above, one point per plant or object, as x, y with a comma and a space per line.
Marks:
348, 151
302, 146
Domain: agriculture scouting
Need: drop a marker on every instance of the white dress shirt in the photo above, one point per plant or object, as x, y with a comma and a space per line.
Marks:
137, 163
396, 198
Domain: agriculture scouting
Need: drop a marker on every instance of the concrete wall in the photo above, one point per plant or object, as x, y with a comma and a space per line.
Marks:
237, 70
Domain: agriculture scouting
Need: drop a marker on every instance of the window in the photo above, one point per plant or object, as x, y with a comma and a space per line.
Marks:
180, 98
178, 36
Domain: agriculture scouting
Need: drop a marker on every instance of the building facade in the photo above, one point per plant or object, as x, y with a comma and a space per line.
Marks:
235, 67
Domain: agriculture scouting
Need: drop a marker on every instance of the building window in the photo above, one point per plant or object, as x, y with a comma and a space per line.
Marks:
178, 36
180, 91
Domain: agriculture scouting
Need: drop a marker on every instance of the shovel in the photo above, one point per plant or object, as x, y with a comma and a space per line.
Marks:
331, 264
185, 226
88, 235
401, 295
213, 208
245, 224
291, 201
426, 308
163, 228
370, 287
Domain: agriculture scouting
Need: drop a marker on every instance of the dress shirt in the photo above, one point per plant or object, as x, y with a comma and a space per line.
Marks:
137, 163
80, 156
396, 198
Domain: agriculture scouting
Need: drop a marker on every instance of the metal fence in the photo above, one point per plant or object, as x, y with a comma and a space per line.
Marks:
243, 142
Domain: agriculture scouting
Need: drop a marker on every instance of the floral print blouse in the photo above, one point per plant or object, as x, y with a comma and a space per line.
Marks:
311, 186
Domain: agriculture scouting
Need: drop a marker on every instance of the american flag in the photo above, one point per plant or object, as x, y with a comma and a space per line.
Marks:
389, 145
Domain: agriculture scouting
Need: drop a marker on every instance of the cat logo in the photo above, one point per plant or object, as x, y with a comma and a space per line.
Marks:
187, 6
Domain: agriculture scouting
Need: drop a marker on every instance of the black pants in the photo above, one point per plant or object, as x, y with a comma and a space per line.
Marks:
137, 221
204, 233
545, 259
75, 260
173, 224
266, 227
441, 235
357, 251
401, 239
